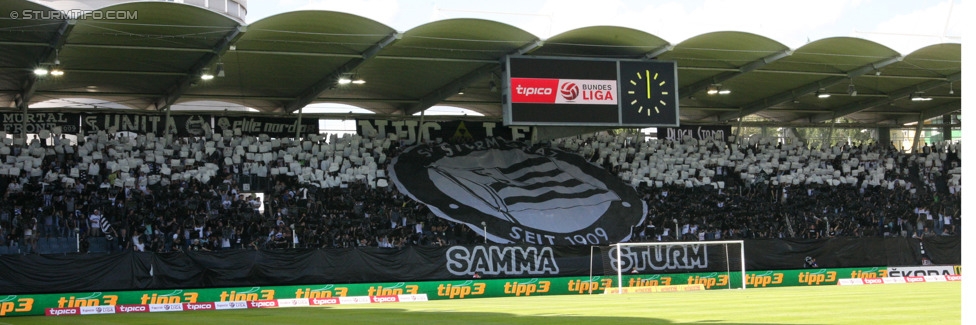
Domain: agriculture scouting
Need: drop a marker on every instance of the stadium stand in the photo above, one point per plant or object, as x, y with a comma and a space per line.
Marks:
762, 189
169, 194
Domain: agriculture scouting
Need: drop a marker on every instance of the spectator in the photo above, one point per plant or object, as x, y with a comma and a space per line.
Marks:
94, 223
332, 212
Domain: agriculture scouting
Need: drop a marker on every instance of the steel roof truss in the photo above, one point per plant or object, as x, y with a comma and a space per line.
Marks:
450, 89
894, 95
932, 112
309, 95
208, 59
782, 97
54, 45
690, 90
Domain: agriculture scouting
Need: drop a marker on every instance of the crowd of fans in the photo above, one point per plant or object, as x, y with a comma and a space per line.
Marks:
162, 194
765, 189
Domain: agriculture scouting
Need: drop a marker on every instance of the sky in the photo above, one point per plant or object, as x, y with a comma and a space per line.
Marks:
902, 25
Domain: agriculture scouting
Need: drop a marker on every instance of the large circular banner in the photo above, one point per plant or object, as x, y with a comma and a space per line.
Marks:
520, 194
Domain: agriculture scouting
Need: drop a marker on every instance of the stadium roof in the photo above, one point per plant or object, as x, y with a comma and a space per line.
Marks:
282, 63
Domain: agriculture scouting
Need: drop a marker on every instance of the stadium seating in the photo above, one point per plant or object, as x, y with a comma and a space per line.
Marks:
181, 186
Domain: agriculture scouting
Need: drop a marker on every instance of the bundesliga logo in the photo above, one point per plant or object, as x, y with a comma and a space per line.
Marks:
518, 194
569, 91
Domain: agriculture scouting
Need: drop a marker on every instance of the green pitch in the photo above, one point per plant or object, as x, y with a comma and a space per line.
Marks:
916, 303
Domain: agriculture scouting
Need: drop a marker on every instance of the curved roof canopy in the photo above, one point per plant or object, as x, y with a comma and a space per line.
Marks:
285, 62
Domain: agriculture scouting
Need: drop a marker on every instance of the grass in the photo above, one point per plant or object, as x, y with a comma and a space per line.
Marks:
916, 303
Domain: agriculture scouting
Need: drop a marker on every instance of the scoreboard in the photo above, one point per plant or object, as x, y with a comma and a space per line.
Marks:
588, 92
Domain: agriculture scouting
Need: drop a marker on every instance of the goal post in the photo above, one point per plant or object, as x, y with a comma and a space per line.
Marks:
730, 265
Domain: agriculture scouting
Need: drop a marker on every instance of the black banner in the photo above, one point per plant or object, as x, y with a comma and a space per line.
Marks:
779, 254
275, 127
519, 194
37, 121
129, 270
80, 272
699, 132
442, 131
181, 125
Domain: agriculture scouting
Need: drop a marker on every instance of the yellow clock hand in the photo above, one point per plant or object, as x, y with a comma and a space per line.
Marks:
648, 79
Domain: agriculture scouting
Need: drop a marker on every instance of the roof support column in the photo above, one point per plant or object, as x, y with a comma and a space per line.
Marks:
738, 129
830, 134
167, 125
23, 122
420, 134
918, 134
947, 127
298, 124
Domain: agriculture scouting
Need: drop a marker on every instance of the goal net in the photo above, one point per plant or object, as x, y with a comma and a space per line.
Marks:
717, 264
